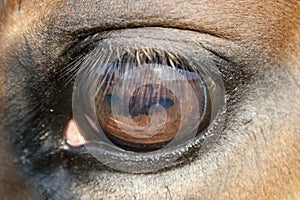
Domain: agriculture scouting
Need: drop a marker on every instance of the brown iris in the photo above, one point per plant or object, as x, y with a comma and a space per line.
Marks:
147, 110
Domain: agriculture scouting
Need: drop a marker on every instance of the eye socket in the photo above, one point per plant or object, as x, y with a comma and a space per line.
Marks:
141, 109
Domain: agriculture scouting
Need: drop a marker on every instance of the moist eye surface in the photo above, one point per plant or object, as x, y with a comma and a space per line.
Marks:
144, 104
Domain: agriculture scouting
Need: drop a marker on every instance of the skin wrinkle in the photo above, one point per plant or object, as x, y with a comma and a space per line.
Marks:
236, 22
252, 161
267, 22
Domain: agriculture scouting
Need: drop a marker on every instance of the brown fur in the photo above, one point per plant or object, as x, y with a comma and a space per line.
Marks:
261, 160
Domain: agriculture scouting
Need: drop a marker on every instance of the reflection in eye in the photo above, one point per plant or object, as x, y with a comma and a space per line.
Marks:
140, 106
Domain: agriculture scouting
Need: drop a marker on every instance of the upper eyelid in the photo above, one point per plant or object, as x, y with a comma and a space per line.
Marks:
193, 39
169, 45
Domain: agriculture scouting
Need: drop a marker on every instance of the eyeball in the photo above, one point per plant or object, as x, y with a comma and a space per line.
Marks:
143, 108
137, 111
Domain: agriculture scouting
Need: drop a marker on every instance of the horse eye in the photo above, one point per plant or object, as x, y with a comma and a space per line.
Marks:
142, 102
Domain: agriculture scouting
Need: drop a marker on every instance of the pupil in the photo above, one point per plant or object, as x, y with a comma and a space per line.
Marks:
147, 96
166, 103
